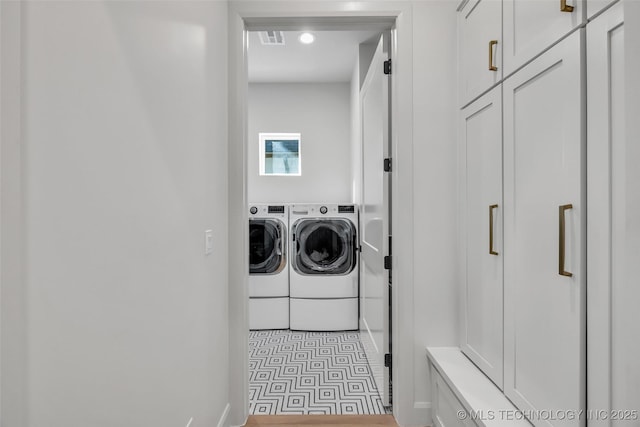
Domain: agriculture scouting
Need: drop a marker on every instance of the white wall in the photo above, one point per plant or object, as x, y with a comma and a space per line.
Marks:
321, 113
436, 289
356, 144
124, 167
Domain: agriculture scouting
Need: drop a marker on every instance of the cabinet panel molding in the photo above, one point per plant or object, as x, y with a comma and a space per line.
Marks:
606, 187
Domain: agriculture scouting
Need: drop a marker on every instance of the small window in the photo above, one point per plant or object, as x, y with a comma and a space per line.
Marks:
280, 154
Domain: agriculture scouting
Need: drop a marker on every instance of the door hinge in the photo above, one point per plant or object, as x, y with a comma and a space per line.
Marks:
387, 262
387, 360
387, 66
387, 165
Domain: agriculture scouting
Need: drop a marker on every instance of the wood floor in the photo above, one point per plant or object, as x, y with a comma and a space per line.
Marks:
321, 420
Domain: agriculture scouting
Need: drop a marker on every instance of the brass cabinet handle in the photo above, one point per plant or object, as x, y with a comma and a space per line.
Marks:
491, 44
564, 7
561, 241
491, 208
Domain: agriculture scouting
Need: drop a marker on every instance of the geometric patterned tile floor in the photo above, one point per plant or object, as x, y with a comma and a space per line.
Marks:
306, 373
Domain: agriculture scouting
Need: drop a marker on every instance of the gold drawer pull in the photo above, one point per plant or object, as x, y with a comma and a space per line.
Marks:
491, 208
491, 66
561, 241
564, 7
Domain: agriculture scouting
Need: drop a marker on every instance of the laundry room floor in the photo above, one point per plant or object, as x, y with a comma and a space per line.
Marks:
305, 373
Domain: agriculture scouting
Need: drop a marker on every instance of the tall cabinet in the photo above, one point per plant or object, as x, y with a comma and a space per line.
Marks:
544, 232
522, 146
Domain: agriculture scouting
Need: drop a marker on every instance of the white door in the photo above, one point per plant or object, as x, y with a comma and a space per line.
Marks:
481, 151
544, 276
374, 231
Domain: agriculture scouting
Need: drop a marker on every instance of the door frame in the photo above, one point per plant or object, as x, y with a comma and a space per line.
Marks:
256, 15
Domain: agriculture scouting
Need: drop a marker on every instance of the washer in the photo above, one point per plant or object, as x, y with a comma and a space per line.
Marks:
324, 267
268, 267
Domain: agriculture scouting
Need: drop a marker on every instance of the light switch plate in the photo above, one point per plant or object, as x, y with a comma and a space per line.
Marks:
208, 242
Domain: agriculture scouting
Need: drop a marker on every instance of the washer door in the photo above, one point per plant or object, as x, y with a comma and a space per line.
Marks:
266, 246
324, 246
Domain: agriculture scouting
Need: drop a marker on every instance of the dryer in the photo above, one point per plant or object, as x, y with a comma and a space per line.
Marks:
268, 267
323, 267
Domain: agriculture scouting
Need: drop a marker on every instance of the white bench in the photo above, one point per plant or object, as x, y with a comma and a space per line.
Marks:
462, 396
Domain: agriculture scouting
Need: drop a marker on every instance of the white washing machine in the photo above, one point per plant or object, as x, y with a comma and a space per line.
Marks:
268, 267
323, 276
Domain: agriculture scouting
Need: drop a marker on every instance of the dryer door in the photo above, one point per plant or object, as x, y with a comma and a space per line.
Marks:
266, 246
324, 246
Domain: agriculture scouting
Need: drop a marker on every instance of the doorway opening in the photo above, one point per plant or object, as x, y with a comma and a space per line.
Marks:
318, 134
257, 16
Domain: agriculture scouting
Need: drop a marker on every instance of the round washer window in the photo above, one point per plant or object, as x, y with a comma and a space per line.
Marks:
325, 246
265, 253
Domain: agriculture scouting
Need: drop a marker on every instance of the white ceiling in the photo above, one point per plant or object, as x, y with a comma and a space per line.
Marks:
330, 58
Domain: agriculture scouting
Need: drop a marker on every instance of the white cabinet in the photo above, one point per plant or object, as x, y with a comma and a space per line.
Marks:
446, 407
544, 233
596, 6
606, 186
531, 26
481, 226
480, 48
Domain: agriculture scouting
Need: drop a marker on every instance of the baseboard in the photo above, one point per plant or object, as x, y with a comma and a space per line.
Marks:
223, 418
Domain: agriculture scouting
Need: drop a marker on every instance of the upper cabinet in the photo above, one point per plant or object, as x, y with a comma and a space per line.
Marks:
596, 6
532, 26
480, 49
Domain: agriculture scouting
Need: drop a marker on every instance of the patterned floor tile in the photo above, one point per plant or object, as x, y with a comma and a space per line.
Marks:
310, 373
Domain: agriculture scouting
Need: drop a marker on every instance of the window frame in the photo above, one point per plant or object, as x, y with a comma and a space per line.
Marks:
265, 136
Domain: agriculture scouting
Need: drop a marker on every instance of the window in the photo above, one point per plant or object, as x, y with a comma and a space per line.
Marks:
280, 154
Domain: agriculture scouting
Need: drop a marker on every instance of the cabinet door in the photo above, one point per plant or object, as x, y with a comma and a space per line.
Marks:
595, 6
446, 406
607, 186
544, 171
531, 26
481, 160
480, 49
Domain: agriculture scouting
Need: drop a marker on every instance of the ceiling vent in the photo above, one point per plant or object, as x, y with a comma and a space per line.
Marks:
272, 38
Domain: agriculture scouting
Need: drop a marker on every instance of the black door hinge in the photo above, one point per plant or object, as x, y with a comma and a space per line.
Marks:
387, 360
387, 165
387, 66
387, 262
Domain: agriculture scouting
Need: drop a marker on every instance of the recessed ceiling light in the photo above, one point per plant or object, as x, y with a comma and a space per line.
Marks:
306, 38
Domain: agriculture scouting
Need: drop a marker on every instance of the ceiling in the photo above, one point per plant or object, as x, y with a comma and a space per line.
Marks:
330, 58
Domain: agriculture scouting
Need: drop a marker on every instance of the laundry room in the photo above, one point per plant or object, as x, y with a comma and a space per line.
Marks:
305, 187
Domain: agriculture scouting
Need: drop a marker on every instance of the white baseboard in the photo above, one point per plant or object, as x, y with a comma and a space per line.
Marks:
421, 405
223, 418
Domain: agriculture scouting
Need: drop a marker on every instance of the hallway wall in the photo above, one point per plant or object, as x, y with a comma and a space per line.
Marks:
435, 263
320, 112
123, 165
